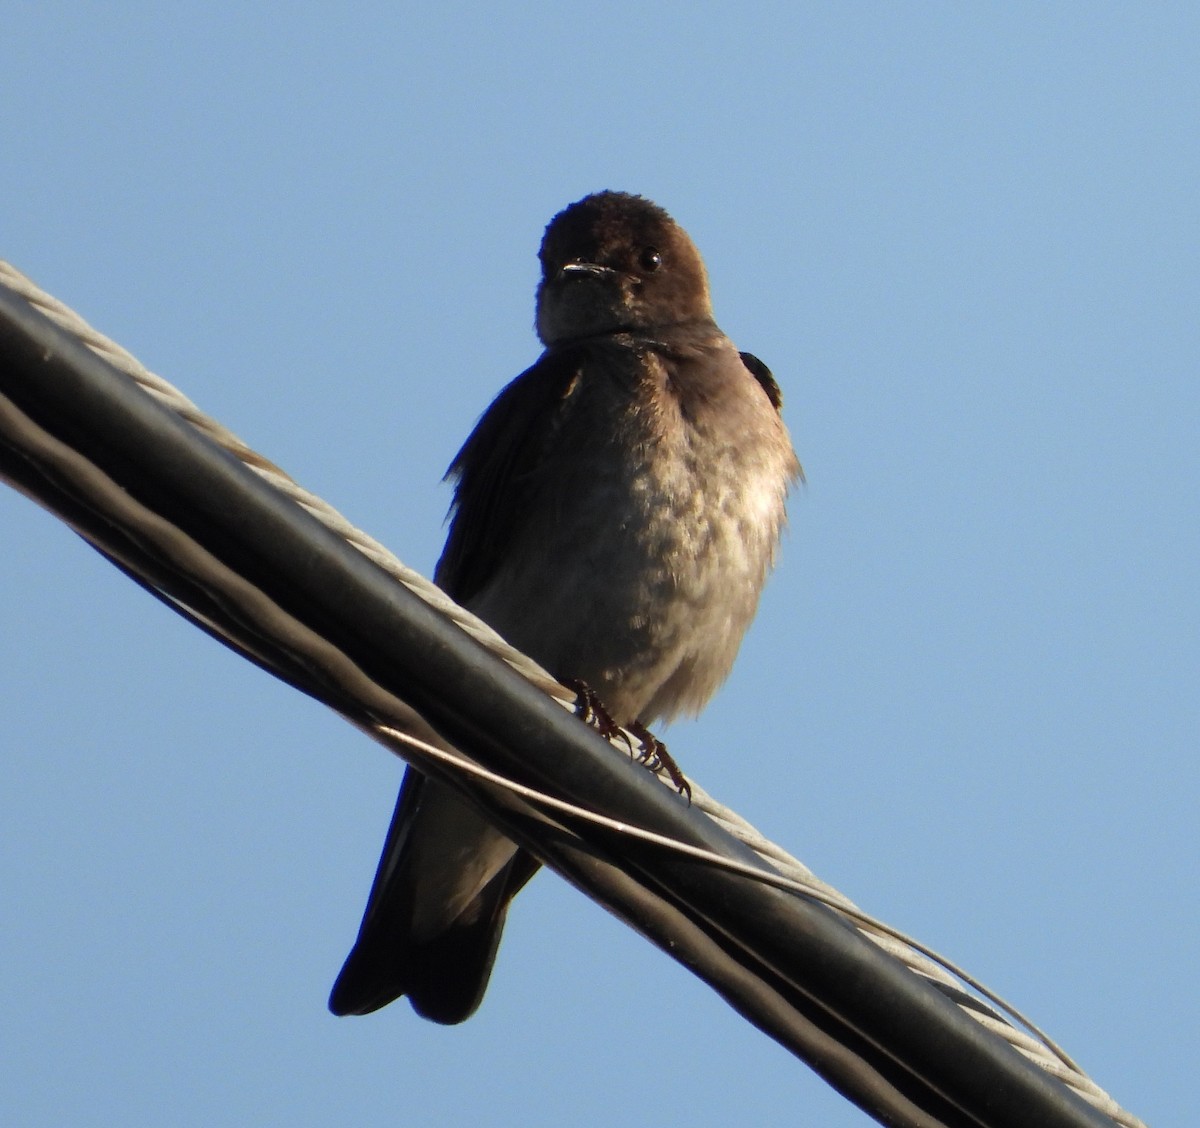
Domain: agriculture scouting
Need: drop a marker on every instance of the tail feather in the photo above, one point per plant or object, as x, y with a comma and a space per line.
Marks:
444, 978
445, 972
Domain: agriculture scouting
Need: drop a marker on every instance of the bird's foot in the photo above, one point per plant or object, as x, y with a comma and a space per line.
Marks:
652, 752
655, 756
590, 709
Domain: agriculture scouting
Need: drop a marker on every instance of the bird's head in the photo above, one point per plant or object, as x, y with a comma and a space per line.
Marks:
614, 262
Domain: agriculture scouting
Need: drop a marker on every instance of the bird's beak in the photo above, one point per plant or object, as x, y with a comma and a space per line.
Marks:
584, 270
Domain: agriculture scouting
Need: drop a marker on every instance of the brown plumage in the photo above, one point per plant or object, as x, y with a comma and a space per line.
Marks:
616, 512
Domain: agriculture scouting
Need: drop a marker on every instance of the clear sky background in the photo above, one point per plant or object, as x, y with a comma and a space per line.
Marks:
965, 238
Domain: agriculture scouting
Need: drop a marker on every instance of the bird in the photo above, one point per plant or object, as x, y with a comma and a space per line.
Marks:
616, 511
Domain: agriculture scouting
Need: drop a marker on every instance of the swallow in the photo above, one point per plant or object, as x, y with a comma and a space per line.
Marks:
616, 512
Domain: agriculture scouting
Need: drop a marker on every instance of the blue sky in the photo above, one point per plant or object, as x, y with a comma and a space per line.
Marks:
964, 237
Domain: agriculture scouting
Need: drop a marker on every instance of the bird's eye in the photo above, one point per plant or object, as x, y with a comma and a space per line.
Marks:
650, 260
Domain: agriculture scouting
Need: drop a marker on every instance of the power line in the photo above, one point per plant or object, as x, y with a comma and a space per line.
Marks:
226, 539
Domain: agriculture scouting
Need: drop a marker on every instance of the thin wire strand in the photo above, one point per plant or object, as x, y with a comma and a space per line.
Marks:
794, 875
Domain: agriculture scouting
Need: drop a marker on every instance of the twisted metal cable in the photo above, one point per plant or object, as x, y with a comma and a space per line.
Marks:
794, 875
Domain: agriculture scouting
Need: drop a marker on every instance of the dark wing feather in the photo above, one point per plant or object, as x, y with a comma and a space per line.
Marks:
765, 378
445, 976
494, 469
